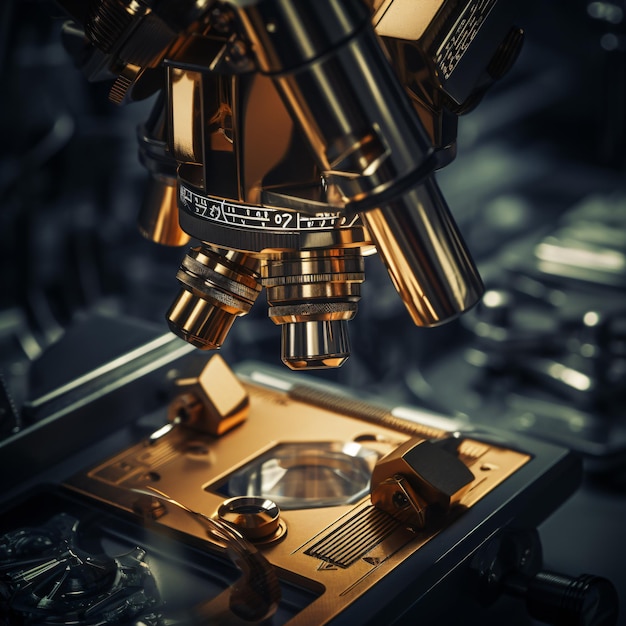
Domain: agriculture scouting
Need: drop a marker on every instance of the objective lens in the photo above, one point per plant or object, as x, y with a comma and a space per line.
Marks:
312, 295
217, 288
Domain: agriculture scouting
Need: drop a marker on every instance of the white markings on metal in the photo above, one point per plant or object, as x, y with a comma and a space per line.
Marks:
257, 217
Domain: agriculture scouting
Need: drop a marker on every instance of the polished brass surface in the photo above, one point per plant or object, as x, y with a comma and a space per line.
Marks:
377, 153
213, 402
315, 344
297, 127
199, 320
158, 219
397, 497
185, 110
425, 255
417, 478
312, 295
322, 549
399, 18
217, 288
255, 518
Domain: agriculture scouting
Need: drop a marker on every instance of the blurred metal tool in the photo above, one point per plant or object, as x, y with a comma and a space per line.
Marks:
582, 358
588, 246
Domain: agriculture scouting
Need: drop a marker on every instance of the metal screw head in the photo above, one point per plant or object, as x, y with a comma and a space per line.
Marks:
400, 500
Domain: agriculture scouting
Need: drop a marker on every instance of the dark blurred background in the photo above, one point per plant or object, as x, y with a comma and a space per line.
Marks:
538, 189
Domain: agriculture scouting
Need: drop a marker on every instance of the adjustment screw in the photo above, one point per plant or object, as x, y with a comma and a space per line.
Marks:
400, 500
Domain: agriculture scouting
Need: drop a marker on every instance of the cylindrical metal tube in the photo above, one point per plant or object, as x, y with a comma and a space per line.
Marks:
315, 345
369, 142
344, 95
312, 295
281, 42
217, 288
425, 255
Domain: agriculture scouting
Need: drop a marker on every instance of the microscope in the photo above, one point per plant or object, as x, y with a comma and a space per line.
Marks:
292, 139
289, 139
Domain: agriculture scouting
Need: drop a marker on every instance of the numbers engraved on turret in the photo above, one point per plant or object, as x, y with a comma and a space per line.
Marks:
256, 217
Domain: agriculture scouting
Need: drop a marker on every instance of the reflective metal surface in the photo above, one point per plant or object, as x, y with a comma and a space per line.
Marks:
539, 169
425, 256
296, 129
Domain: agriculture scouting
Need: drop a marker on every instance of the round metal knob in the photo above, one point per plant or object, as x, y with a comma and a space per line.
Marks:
257, 519
581, 601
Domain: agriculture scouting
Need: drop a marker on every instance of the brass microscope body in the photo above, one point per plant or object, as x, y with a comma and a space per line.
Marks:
291, 139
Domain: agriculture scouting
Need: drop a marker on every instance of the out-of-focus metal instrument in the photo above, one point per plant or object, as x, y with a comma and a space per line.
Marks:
294, 138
